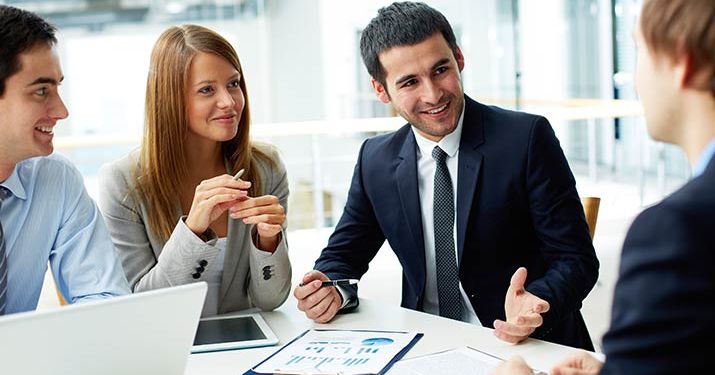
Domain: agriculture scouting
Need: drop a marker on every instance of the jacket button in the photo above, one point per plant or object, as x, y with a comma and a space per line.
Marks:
203, 263
196, 275
200, 269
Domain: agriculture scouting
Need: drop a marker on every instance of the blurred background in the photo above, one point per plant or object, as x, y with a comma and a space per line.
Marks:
570, 60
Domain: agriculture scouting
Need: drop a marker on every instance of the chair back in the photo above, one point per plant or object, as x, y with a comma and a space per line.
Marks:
590, 209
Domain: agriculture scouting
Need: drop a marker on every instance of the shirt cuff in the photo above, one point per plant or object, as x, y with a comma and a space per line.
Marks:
208, 236
343, 294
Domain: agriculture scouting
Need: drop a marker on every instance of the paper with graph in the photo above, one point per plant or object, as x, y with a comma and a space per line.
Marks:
339, 352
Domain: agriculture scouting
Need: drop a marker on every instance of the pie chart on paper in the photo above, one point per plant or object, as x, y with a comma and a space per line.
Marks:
377, 341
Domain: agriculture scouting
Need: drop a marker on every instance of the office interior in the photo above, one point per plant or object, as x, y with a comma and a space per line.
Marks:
570, 60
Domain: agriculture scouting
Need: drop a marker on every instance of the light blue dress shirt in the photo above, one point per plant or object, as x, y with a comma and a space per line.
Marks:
704, 159
48, 216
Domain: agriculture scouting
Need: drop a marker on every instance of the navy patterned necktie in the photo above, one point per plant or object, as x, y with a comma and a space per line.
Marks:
3, 260
450, 299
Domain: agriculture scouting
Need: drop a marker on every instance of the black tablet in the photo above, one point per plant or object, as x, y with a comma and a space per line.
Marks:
234, 331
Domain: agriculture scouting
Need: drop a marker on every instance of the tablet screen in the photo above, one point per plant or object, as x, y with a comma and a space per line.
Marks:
243, 328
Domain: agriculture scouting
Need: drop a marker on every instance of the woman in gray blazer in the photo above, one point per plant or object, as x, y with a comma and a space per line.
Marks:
174, 210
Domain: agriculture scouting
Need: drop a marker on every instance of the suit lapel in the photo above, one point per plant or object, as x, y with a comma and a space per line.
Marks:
469, 165
407, 187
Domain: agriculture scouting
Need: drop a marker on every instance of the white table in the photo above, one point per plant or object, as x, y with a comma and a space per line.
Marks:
439, 334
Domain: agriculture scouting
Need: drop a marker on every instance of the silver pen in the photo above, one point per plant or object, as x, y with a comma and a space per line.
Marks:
238, 174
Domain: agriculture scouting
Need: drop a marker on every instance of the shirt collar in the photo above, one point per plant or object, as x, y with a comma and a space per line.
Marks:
704, 159
14, 184
448, 144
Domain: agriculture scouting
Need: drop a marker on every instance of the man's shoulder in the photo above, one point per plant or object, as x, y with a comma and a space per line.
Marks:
48, 167
694, 199
505, 126
50, 179
493, 112
390, 142
686, 215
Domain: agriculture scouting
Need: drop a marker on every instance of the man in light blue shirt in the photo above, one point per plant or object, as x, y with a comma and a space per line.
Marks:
45, 212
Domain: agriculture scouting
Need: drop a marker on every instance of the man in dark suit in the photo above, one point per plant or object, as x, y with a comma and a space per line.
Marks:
664, 302
516, 203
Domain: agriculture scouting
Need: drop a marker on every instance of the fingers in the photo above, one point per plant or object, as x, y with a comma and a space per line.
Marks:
314, 275
541, 306
223, 180
217, 199
208, 206
581, 363
572, 371
264, 209
330, 311
529, 320
268, 230
309, 284
511, 333
221, 198
257, 205
264, 218
517, 280
514, 366
204, 194
212, 198
315, 301
321, 305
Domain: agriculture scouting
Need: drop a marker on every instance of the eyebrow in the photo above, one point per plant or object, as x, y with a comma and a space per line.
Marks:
44, 80
410, 76
205, 82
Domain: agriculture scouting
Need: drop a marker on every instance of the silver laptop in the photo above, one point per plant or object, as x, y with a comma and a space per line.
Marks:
143, 333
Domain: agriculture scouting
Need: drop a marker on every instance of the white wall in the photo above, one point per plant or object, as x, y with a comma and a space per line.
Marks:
295, 63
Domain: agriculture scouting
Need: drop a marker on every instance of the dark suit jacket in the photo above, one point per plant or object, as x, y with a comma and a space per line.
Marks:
664, 303
517, 205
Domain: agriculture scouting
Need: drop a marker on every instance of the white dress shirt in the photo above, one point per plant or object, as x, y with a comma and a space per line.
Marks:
426, 167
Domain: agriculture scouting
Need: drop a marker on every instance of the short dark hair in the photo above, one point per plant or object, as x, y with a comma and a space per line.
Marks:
401, 24
20, 30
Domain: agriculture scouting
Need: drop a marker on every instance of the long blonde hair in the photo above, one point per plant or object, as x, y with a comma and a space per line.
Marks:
162, 160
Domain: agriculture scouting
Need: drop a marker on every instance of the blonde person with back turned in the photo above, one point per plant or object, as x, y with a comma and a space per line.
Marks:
173, 208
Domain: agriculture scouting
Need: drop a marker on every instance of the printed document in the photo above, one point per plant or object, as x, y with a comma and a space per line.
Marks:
464, 360
339, 352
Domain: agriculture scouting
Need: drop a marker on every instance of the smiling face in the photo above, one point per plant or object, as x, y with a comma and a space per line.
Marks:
215, 101
31, 105
423, 83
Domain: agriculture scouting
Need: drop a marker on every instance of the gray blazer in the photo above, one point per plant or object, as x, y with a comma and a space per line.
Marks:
251, 277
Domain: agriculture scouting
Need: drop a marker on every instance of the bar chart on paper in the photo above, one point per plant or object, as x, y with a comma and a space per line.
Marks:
332, 351
328, 354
